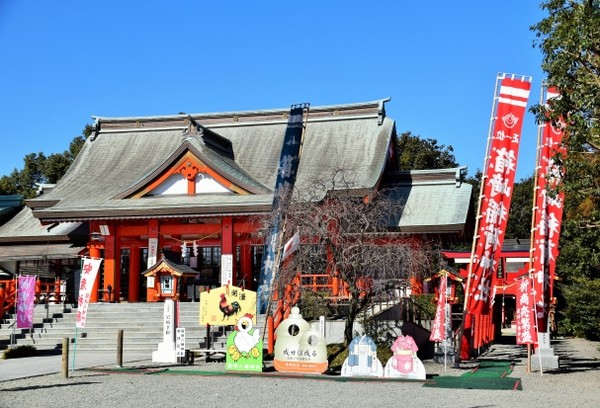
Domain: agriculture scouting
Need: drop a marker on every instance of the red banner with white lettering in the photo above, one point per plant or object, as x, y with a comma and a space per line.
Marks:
498, 181
438, 330
89, 270
526, 333
547, 213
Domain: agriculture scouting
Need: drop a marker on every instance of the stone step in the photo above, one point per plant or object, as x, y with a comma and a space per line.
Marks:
142, 324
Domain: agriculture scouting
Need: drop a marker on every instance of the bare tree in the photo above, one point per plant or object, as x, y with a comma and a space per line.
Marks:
351, 235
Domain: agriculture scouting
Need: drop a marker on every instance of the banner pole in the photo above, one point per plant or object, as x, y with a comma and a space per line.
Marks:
477, 218
538, 155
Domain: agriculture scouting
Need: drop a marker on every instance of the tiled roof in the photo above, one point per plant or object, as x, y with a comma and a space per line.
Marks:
124, 151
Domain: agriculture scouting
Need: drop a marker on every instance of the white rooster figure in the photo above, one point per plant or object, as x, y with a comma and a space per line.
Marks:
243, 340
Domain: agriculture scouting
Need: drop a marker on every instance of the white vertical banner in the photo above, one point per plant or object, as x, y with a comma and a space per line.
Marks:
89, 271
152, 251
227, 269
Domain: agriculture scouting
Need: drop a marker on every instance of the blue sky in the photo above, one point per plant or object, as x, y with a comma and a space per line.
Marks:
62, 62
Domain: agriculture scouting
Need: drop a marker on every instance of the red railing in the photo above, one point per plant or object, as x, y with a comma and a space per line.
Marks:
44, 292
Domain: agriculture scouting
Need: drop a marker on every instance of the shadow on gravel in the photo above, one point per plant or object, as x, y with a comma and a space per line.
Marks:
568, 363
45, 387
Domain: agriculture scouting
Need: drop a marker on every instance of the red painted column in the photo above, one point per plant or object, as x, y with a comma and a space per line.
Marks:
227, 235
227, 242
110, 268
246, 266
94, 253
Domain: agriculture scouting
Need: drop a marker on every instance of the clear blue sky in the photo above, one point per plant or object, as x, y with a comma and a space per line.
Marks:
62, 62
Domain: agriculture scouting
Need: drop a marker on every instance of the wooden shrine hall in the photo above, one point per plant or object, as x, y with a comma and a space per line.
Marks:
193, 185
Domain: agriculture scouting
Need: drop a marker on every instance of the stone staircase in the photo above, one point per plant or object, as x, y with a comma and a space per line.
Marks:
142, 325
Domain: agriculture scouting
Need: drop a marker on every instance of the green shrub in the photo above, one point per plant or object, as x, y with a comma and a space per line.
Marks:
19, 351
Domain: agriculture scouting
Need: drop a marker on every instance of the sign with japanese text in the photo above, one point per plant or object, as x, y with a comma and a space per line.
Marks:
548, 209
25, 301
498, 181
89, 270
526, 333
438, 330
180, 342
226, 269
223, 306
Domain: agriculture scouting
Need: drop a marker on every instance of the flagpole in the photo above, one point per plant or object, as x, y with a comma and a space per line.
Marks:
477, 218
532, 233
446, 323
305, 111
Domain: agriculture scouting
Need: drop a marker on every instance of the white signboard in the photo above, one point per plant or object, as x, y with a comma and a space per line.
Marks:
152, 251
180, 342
226, 269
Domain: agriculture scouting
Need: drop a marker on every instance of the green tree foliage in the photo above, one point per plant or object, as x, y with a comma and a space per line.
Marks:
569, 39
41, 169
415, 153
519, 219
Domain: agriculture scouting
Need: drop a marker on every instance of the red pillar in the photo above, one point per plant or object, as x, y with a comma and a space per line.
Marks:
95, 253
110, 268
227, 235
227, 242
246, 266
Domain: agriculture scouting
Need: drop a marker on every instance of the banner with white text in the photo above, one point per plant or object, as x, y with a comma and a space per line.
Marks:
89, 271
547, 213
498, 181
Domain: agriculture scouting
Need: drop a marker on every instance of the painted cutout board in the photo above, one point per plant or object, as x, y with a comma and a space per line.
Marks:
225, 305
244, 347
362, 359
300, 347
404, 363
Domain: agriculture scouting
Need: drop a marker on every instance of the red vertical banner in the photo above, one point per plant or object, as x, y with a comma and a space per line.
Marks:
547, 213
438, 329
25, 301
526, 333
498, 181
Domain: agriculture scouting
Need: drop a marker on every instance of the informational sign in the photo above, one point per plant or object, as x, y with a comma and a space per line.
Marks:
180, 342
152, 251
225, 305
226, 269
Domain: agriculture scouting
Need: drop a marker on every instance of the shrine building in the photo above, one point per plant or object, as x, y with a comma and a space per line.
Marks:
189, 187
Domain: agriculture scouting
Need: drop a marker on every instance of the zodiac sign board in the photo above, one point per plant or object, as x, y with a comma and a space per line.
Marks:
225, 305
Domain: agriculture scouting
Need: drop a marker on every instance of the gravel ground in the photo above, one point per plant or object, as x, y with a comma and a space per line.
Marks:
574, 384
